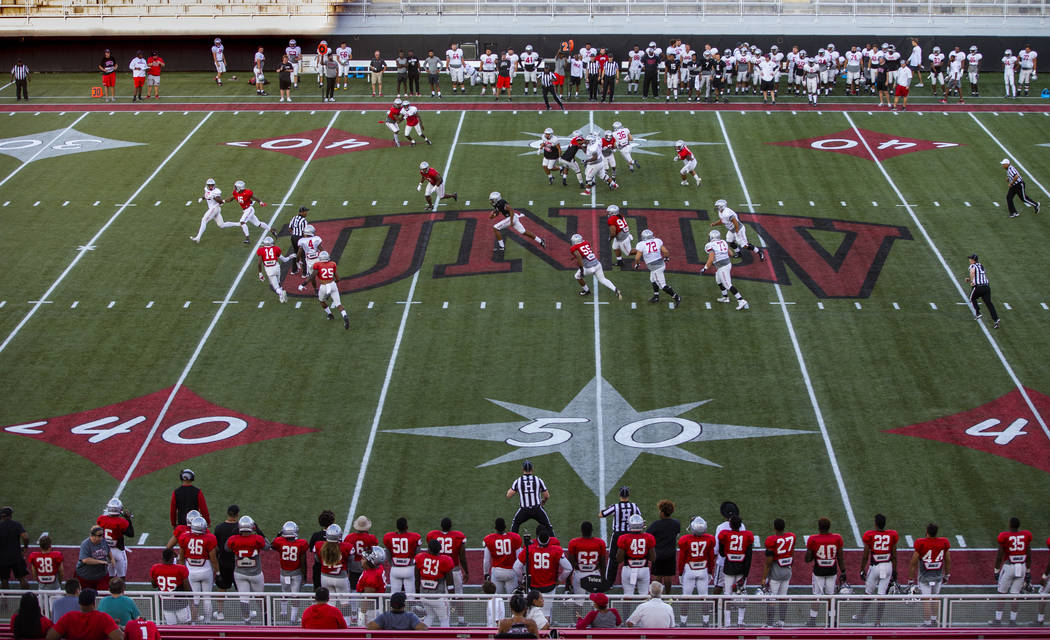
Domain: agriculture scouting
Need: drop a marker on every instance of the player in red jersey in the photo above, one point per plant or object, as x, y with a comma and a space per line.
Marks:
401, 546
452, 545
931, 565
361, 541
181, 529
435, 184
46, 565
116, 525
636, 551
619, 234
735, 544
413, 121
199, 549
1013, 565
587, 555
246, 199
293, 564
334, 556
169, 577
545, 563
269, 261
501, 548
394, 115
372, 580
776, 574
432, 567
880, 547
568, 159
824, 550
325, 281
141, 629
696, 561
682, 153
609, 152
588, 263
247, 547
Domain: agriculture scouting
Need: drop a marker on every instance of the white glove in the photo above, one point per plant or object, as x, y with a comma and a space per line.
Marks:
419, 187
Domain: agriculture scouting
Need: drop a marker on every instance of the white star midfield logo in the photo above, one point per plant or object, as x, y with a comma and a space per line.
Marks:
641, 144
573, 433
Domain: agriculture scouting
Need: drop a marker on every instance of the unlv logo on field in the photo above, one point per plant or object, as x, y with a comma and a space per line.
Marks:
301, 145
883, 145
848, 270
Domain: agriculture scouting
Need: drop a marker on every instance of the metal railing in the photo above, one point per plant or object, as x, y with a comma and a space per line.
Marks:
839, 611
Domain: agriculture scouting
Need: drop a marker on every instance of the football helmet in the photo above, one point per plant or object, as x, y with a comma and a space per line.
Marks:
635, 523
607, 135
410, 110
756, 51
646, 234
576, 238
291, 43
210, 182
324, 256
576, 133
679, 144
114, 507
199, 525
893, 47
333, 533
246, 524
936, 49
324, 42
423, 166
193, 513
309, 230
617, 125
528, 47
885, 46
845, 589
821, 51
376, 556
494, 197
727, 52
548, 131
714, 234
239, 185
267, 241
613, 210
397, 102
218, 41
830, 47
697, 526
774, 48
405, 104
973, 48
802, 53
720, 204
1008, 52
290, 529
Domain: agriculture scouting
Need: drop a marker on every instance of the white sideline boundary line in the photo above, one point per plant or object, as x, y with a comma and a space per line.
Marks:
1009, 155
951, 276
847, 505
94, 239
367, 455
218, 314
42, 149
603, 526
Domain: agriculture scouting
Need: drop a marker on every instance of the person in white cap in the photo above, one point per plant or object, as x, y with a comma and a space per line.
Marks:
1016, 188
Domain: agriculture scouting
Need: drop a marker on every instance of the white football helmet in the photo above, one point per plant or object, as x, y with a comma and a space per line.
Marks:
291, 43
494, 197
218, 41
720, 204
576, 133
397, 102
831, 47
193, 513
267, 241
1008, 52
246, 524
309, 230
528, 47
635, 523
290, 529
548, 131
376, 556
613, 210
239, 185
617, 125
607, 134
679, 144
324, 42
845, 589
333, 533
210, 182
715, 234
114, 507
646, 234
973, 48
199, 525
936, 49
697, 526
324, 256
423, 166
576, 238
405, 103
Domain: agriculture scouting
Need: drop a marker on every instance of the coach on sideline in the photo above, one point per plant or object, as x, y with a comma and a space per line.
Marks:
1016, 182
532, 495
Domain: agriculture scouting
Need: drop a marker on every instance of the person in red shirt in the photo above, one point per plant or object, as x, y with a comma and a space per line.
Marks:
321, 615
413, 121
372, 580
734, 544
880, 549
432, 567
435, 184
931, 564
325, 280
1013, 565
198, 548
361, 541
247, 547
401, 547
187, 498
155, 64
636, 552
587, 261
394, 115
824, 550
696, 561
587, 555
28, 622
46, 565
245, 197
269, 261
141, 629
334, 556
181, 530
602, 616
545, 564
619, 234
498, 563
683, 154
168, 577
776, 574
292, 550
87, 624
116, 525
452, 545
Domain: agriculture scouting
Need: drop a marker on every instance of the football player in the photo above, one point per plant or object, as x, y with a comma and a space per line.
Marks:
511, 218
181, 529
824, 550
361, 540
169, 577
568, 159
880, 548
334, 556
931, 566
696, 561
734, 544
653, 253
269, 262
46, 565
295, 56
401, 546
623, 144
501, 548
776, 574
547, 565
213, 196
431, 568
309, 251
116, 525
199, 549
587, 555
736, 232
326, 282
453, 545
1009, 65
973, 69
372, 580
608, 149
1028, 59
635, 553
247, 548
246, 199
413, 121
293, 550
683, 153
435, 184
718, 255
550, 151
619, 233
393, 116
1013, 565
588, 264
595, 166
343, 54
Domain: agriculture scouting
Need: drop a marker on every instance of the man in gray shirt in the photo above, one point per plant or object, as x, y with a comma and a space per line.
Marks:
397, 619
331, 74
68, 602
433, 68
94, 561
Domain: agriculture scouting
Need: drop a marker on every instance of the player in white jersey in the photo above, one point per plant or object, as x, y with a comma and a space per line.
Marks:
513, 59
550, 151
258, 70
454, 63
213, 196
530, 61
1027, 59
489, 61
756, 75
777, 57
634, 69
587, 53
791, 59
834, 64
973, 69
653, 253
811, 79
624, 139
955, 72
343, 54
854, 61
736, 232
595, 166
718, 256
1009, 64
936, 69
295, 56
309, 250
269, 262
218, 56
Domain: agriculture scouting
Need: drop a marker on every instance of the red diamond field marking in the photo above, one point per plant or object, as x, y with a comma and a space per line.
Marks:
884, 146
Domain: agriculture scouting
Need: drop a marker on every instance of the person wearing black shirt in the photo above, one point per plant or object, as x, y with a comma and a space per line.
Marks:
610, 73
651, 74
377, 66
666, 531
108, 67
672, 66
694, 67
717, 74
284, 78
326, 518
185, 498
223, 531
14, 542
503, 77
412, 63
547, 80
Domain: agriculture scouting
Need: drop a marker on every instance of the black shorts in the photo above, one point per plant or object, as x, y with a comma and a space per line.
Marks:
434, 78
664, 566
767, 85
285, 84
18, 569
880, 83
225, 578
575, 80
716, 83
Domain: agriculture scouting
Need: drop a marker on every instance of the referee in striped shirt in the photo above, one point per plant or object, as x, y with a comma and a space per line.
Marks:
610, 73
532, 495
978, 279
619, 512
20, 76
1016, 182
594, 74
547, 80
297, 227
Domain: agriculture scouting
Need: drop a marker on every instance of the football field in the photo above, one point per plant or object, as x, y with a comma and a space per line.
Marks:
858, 381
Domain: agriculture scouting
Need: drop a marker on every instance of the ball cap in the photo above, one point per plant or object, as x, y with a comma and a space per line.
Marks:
6, 512
973, 256
527, 465
302, 209
1004, 162
599, 599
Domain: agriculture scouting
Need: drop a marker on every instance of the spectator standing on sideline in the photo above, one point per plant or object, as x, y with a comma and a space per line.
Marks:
108, 67
532, 496
321, 615
331, 77
904, 76
138, 69
654, 613
397, 619
119, 607
223, 531
561, 67
548, 80
284, 78
620, 512
665, 531
376, 67
20, 76
504, 70
326, 519
260, 74
978, 279
65, 604
412, 64
14, 542
218, 56
155, 64
401, 64
94, 562
186, 498
1016, 188
87, 624
432, 64
29, 622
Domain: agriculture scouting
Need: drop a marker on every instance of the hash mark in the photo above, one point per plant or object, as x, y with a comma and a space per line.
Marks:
313, 204
966, 203
780, 203
933, 306
298, 304
187, 305
66, 203
37, 203
656, 203
1007, 305
371, 303
111, 304
149, 304
345, 202
936, 204
634, 305
896, 307
4, 302
74, 305
686, 203
142, 539
482, 304
857, 305
707, 305
874, 204
521, 305
962, 542
842, 202
557, 305
1043, 305
94, 205
820, 305
261, 303
373, 203
157, 203
405, 203
811, 203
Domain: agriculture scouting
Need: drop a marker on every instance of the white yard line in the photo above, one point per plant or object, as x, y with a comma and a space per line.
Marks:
98, 234
215, 319
1025, 173
951, 275
42, 149
846, 504
367, 455
602, 524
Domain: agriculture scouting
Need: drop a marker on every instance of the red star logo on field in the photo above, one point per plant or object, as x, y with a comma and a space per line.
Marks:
883, 145
301, 145
1004, 427
111, 436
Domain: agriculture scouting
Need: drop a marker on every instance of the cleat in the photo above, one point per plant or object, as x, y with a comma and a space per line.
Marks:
346, 322
455, 197
978, 316
585, 192
564, 182
247, 241
197, 240
677, 300
1036, 208
1013, 215
685, 183
541, 242
283, 296
412, 142
585, 292
429, 142
329, 316
619, 295
742, 305
996, 325
723, 299
655, 298
550, 179
761, 255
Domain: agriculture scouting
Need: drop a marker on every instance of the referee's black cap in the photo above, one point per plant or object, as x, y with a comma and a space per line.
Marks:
625, 492
303, 209
973, 256
527, 465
